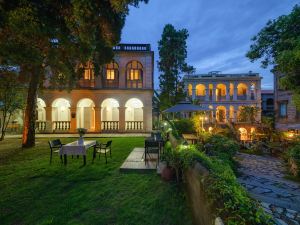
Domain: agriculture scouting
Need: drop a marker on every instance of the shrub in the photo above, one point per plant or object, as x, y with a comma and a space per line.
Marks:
223, 145
294, 159
232, 201
184, 126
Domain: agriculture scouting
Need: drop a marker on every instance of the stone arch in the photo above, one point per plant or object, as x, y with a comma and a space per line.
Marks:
85, 114
41, 111
200, 90
221, 114
61, 110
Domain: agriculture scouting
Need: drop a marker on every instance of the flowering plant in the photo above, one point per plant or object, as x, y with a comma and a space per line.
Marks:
81, 131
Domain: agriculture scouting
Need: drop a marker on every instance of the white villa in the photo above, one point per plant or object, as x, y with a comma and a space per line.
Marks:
225, 94
118, 101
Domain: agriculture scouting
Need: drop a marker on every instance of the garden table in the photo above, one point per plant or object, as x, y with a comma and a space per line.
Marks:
74, 148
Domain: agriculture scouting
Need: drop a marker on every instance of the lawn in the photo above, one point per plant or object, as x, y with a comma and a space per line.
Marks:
34, 192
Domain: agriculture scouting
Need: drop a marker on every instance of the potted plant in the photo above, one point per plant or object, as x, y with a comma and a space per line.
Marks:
81, 132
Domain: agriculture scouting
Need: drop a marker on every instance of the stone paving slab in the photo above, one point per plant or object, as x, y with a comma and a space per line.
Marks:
263, 177
135, 162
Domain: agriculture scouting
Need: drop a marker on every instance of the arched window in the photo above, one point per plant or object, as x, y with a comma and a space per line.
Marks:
89, 71
134, 74
190, 89
112, 75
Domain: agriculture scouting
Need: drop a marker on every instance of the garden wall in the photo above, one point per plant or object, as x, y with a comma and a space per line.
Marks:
202, 208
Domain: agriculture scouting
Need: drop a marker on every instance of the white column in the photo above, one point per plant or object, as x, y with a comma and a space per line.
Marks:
193, 91
248, 97
214, 92
206, 92
227, 113
228, 92
235, 90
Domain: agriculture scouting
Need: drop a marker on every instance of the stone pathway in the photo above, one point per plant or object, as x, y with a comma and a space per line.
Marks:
263, 177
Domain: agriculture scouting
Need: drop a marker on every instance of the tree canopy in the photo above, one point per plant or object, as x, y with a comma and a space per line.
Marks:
278, 45
172, 55
44, 37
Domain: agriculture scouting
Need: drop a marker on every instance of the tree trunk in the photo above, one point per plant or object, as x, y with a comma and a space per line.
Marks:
30, 111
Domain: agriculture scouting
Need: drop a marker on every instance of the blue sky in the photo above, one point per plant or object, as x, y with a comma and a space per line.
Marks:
220, 30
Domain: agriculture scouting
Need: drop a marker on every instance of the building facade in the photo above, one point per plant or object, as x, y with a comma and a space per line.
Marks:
267, 103
119, 100
287, 117
224, 95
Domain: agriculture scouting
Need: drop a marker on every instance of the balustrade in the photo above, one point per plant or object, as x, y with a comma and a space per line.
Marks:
110, 125
242, 97
40, 125
61, 125
134, 125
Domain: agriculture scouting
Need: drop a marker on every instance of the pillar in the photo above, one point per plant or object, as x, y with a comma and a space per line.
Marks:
235, 92
97, 119
228, 92
49, 126
73, 124
206, 92
213, 92
147, 118
193, 92
227, 113
122, 119
248, 97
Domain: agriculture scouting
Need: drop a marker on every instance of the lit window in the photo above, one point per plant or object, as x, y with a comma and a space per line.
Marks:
88, 74
134, 74
112, 71
110, 74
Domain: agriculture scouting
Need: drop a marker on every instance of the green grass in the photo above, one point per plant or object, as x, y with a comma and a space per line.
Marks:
34, 192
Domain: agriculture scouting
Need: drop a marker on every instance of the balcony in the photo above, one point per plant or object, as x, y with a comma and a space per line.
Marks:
200, 98
134, 84
111, 84
86, 83
242, 97
220, 98
133, 47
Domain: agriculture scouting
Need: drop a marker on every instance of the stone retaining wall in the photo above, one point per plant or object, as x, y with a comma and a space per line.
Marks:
202, 208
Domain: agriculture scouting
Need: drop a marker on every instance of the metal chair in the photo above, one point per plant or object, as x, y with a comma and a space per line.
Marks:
152, 146
102, 149
55, 146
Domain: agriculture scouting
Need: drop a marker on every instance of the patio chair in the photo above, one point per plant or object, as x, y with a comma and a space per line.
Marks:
151, 147
102, 149
55, 146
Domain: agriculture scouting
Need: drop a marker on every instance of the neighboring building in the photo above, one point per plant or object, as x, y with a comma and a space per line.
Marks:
267, 102
225, 94
287, 117
120, 100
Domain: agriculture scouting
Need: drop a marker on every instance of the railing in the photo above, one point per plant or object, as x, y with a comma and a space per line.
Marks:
134, 125
85, 83
61, 125
200, 97
134, 84
40, 125
221, 98
241, 97
111, 83
132, 47
109, 125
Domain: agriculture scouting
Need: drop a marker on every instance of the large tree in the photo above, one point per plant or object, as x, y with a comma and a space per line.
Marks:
278, 45
172, 55
11, 98
57, 37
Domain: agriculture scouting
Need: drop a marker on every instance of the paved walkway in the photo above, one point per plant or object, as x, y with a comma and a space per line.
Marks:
135, 162
263, 177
